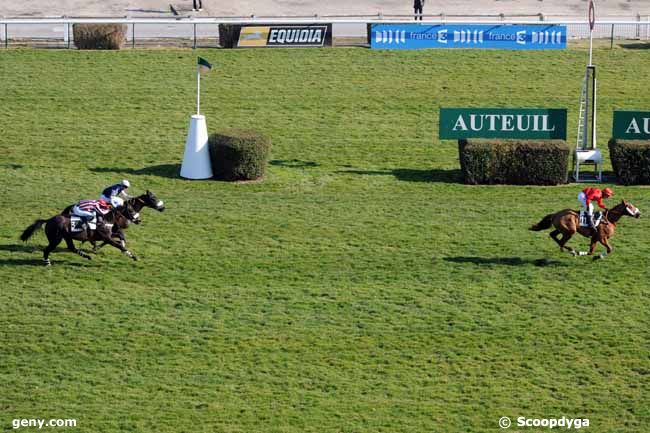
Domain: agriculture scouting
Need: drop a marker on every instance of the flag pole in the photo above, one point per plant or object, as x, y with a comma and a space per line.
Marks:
198, 90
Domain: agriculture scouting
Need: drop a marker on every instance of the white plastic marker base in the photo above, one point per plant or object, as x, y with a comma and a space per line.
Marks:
196, 161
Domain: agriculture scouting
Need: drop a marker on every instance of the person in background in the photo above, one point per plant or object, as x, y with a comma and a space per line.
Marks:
194, 8
418, 6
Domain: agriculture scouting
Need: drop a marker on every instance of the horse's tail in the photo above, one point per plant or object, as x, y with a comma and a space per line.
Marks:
29, 231
544, 224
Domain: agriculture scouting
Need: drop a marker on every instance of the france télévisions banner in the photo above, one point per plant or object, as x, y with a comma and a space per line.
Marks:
631, 125
501, 36
284, 36
520, 123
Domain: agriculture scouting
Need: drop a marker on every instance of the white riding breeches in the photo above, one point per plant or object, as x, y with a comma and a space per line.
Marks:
582, 198
83, 213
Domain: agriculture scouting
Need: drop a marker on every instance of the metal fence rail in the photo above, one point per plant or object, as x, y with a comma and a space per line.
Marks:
204, 32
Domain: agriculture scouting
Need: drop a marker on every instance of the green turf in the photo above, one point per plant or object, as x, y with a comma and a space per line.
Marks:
358, 288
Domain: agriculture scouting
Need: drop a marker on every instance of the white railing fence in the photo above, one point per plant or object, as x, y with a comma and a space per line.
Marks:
204, 32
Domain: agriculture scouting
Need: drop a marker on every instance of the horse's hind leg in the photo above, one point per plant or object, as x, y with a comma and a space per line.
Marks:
54, 241
71, 247
562, 242
46, 252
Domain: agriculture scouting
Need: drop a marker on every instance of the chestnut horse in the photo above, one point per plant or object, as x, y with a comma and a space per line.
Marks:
567, 223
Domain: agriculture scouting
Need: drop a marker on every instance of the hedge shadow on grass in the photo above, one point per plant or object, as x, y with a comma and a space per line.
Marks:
171, 171
412, 175
293, 163
503, 261
636, 46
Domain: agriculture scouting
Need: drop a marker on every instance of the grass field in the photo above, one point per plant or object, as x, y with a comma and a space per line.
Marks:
360, 287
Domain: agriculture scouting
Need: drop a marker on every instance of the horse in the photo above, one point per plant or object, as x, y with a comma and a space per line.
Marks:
148, 199
567, 223
58, 228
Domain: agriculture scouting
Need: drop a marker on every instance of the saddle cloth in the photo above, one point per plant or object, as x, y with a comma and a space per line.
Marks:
76, 226
584, 220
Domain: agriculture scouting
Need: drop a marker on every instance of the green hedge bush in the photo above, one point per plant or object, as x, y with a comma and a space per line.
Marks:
228, 35
630, 161
239, 155
515, 162
99, 36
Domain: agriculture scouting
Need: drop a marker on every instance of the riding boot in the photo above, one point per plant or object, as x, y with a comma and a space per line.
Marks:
85, 227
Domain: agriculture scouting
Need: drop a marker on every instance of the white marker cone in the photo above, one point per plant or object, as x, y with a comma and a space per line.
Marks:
196, 161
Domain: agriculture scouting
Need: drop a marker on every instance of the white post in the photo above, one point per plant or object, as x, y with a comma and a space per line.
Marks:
592, 22
198, 91
594, 114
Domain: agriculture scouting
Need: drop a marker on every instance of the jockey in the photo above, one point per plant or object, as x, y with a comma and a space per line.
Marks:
88, 210
117, 190
587, 196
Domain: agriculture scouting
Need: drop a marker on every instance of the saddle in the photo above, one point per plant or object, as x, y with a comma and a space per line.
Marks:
584, 219
77, 224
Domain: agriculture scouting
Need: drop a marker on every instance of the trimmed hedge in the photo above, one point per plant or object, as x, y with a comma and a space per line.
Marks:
99, 36
228, 35
630, 161
239, 154
514, 162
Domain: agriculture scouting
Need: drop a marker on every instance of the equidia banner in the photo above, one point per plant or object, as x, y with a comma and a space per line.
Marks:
281, 35
501, 36
520, 123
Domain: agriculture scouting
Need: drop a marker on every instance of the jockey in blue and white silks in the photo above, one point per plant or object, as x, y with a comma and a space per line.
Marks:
118, 190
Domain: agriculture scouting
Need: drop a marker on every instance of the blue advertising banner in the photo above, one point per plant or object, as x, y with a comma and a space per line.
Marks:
498, 36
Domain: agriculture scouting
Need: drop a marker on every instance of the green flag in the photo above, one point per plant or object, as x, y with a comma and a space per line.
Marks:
204, 65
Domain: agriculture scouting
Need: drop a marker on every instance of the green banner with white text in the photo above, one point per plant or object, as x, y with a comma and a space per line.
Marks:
515, 123
631, 125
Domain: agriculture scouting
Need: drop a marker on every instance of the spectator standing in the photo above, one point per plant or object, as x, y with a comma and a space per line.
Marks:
418, 5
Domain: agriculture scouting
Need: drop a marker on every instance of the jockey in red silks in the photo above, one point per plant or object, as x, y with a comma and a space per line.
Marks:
88, 210
587, 196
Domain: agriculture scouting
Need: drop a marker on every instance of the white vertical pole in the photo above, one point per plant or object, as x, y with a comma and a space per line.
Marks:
592, 23
198, 91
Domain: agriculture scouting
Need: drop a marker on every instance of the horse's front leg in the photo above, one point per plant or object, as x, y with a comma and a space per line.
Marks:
106, 237
605, 242
592, 246
74, 249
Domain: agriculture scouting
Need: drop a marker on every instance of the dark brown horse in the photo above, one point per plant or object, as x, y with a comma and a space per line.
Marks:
58, 228
148, 199
567, 223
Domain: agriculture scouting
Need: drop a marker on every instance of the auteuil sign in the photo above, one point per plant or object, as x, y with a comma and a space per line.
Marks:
517, 123
632, 125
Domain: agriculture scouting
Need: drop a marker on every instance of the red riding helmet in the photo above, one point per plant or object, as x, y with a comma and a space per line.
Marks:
607, 192
104, 204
